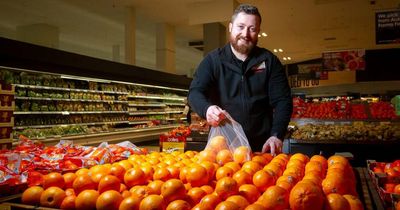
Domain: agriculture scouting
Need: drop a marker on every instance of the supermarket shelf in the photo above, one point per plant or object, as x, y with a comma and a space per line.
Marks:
158, 97
68, 89
133, 135
7, 92
147, 113
66, 99
7, 124
175, 104
139, 122
146, 105
72, 112
8, 108
49, 126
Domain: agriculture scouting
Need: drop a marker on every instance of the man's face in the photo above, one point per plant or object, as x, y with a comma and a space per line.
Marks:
244, 32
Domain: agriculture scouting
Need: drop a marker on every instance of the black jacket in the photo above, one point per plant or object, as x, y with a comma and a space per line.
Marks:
258, 98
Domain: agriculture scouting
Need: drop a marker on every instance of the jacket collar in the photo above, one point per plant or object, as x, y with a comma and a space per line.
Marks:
256, 56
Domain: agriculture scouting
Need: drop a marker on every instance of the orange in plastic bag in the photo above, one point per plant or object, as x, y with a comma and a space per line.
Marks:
229, 135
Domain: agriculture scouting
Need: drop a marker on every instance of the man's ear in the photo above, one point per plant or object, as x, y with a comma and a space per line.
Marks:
230, 27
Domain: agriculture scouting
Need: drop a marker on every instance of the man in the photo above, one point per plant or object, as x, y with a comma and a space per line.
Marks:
246, 81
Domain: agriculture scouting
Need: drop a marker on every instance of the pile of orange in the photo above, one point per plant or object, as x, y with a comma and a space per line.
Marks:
193, 180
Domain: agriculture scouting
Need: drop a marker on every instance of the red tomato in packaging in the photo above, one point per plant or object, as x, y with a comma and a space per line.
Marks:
34, 178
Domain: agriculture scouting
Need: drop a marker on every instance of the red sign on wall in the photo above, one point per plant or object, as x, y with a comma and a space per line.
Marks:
349, 60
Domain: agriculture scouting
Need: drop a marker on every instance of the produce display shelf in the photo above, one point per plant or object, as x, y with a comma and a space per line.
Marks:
139, 122
343, 141
147, 105
118, 135
302, 121
8, 124
158, 97
70, 112
49, 126
68, 89
8, 108
146, 113
66, 99
175, 104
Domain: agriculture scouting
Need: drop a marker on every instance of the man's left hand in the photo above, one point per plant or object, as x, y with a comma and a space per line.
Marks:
273, 144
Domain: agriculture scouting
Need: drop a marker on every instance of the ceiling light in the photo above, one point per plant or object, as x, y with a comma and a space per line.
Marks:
259, 35
275, 50
264, 34
284, 58
280, 50
289, 58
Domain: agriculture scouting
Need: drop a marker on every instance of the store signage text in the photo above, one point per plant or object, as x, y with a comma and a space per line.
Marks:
387, 27
295, 82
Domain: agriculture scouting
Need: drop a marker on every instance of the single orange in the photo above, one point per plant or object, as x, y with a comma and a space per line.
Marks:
242, 154
306, 196
210, 201
336, 201
238, 200
31, 196
197, 176
179, 205
262, 180
53, 179
355, 202
134, 176
83, 182
250, 192
69, 179
152, 202
130, 203
162, 174
227, 205
195, 194
224, 156
118, 171
110, 199
255, 206
173, 189
86, 200
242, 177
155, 187
68, 202
226, 187
223, 172
275, 197
109, 182
52, 197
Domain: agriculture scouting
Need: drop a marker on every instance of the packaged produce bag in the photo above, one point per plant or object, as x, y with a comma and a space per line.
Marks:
228, 142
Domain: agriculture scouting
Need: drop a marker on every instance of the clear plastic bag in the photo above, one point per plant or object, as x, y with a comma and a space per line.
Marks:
229, 137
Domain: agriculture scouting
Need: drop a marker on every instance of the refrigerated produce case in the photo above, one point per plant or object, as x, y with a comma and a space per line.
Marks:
61, 95
362, 129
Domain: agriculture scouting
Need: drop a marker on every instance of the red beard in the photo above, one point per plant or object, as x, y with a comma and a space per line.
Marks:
242, 48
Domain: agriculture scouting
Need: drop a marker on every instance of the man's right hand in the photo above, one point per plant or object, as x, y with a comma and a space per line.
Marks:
215, 115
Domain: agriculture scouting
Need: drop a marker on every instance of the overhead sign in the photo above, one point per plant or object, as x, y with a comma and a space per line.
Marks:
309, 71
387, 27
348, 60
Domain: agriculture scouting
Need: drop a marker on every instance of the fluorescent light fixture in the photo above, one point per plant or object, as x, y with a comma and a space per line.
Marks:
264, 34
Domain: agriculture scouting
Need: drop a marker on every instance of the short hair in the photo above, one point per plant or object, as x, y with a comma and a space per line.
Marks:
246, 8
